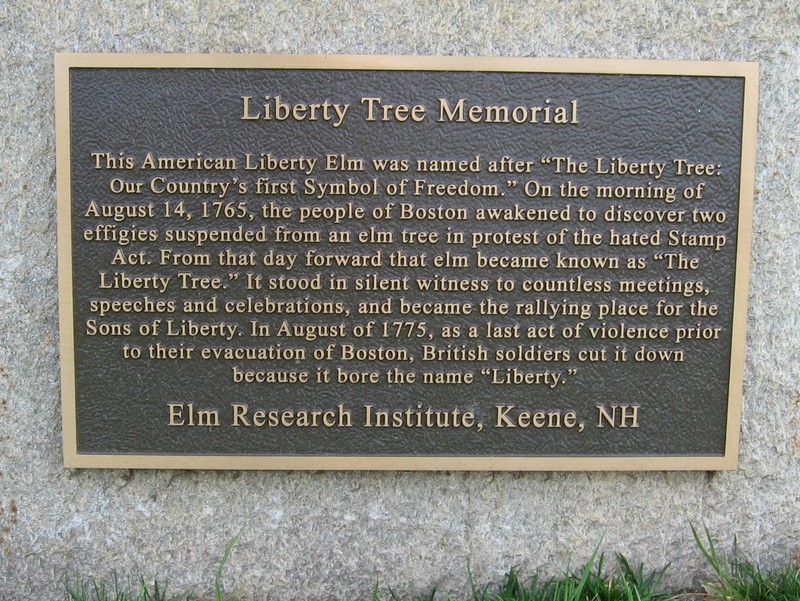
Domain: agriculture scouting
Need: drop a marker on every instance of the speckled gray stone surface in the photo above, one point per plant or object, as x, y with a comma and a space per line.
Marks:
332, 535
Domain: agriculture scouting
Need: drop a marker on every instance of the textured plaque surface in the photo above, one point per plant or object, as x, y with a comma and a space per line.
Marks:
402, 263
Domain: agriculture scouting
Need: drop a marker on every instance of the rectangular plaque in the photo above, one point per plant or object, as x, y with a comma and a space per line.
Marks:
330, 262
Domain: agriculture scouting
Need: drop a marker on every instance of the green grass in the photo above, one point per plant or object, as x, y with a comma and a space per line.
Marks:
735, 580
740, 580
219, 591
591, 583
93, 590
96, 591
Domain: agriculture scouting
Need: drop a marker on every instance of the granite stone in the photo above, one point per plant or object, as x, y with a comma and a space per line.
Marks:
334, 535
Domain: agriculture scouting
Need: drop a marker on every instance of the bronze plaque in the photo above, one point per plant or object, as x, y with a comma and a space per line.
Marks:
330, 262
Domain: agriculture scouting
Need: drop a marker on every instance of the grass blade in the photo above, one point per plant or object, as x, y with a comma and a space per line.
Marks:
219, 591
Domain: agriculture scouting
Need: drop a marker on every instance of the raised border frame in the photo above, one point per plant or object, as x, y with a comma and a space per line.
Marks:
729, 460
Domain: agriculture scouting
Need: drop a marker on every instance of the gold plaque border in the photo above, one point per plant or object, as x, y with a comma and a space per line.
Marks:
728, 461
